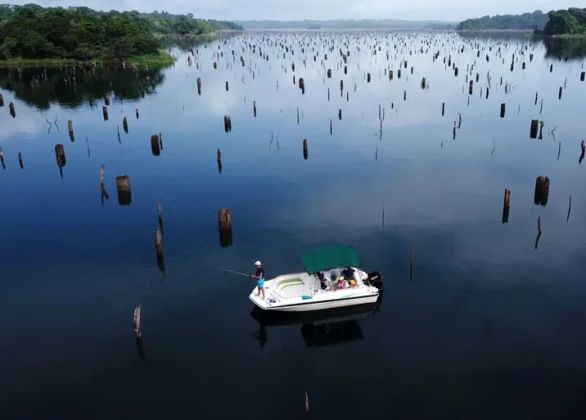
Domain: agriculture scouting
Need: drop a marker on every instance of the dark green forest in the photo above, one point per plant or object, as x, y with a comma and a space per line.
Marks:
529, 21
566, 22
80, 33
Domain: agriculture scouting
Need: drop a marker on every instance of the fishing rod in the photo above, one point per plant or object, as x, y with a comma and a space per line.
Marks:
236, 272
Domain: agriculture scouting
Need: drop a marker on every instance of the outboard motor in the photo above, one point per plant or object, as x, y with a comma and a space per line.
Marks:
375, 279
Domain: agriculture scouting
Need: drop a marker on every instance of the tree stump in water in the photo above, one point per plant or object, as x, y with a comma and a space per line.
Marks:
60, 155
155, 145
70, 129
541, 191
534, 129
124, 193
225, 227
506, 205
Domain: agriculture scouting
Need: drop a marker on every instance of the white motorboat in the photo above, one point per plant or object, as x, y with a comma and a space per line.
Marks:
333, 278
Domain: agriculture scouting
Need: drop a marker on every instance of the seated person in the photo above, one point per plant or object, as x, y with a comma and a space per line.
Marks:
342, 283
348, 273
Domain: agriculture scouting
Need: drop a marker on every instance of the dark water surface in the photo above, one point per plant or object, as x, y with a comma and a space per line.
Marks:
488, 326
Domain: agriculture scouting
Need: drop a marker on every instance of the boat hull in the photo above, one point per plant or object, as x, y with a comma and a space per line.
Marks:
315, 305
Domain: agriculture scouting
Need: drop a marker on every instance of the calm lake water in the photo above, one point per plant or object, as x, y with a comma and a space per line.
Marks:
488, 325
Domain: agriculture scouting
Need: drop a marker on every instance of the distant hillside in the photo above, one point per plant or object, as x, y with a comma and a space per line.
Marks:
345, 24
529, 21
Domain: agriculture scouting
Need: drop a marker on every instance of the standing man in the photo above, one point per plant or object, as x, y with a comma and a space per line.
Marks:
260, 279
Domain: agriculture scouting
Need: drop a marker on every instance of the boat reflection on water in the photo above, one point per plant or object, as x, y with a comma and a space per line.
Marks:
318, 328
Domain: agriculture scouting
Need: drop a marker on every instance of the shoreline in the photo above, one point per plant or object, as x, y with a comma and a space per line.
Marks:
162, 59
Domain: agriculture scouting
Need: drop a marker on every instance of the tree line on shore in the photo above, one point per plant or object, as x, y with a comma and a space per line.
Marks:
570, 22
34, 32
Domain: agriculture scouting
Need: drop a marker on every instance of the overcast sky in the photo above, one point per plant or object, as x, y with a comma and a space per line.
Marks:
446, 10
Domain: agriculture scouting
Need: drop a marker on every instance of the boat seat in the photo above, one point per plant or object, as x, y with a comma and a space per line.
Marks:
282, 284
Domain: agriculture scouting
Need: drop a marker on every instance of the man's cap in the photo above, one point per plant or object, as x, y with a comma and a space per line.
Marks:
257, 263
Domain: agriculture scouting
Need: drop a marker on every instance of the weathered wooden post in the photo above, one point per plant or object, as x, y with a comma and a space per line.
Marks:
293, 67
471, 87
545, 192
137, 115
423, 83
340, 114
2, 97
367, 77
225, 227
443, 108
158, 240
506, 205
20, 160
329, 73
551, 68
227, 86
11, 109
582, 145
105, 112
305, 151
60, 156
456, 72
534, 129
215, 65
390, 74
199, 86
136, 321
302, 85
560, 93
219, 160
155, 145
70, 129
125, 125
106, 100
404, 95
503, 109
346, 70
254, 108
124, 193
341, 85
331, 130
159, 247
541, 191
399, 74
227, 124
582, 78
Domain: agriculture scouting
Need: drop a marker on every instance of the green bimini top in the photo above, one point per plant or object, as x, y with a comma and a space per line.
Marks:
326, 258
